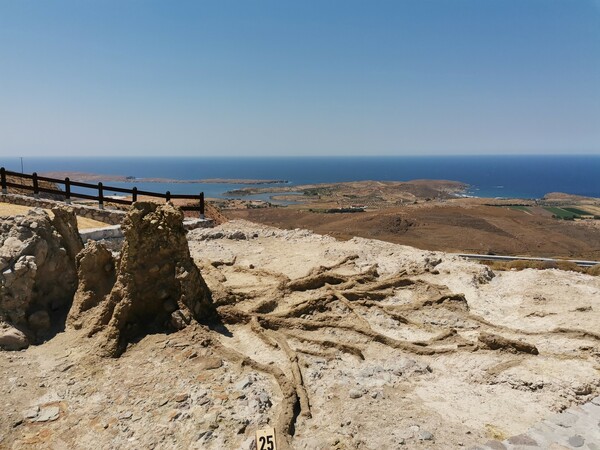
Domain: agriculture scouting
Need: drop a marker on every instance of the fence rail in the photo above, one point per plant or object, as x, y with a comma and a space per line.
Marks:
101, 198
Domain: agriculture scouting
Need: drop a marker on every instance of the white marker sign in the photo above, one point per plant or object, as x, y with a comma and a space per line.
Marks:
265, 439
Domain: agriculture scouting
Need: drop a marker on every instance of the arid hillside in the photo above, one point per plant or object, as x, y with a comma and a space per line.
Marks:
461, 226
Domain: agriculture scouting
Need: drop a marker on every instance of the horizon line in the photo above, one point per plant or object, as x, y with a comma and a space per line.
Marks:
411, 155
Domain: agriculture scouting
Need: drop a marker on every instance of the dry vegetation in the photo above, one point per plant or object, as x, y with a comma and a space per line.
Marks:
83, 223
461, 226
542, 265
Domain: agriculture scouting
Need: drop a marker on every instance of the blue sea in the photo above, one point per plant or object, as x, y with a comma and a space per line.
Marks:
487, 176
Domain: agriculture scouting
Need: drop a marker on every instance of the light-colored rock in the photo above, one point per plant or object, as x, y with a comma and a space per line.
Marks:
425, 435
38, 276
355, 393
31, 413
48, 414
11, 338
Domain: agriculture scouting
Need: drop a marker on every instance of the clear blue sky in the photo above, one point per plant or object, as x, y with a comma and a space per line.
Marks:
276, 77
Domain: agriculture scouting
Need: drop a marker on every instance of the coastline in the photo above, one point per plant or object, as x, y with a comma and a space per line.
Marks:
494, 176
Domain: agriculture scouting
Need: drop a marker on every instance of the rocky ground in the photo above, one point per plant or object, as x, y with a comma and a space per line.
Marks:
354, 344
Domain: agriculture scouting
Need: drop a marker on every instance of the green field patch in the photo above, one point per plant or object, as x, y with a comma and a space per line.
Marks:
520, 208
561, 213
581, 212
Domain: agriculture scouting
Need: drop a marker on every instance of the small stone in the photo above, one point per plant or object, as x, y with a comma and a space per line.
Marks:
31, 412
48, 414
12, 339
522, 439
564, 420
425, 435
181, 398
179, 319
243, 383
414, 428
237, 236
263, 399
67, 366
173, 415
355, 393
210, 363
205, 435
212, 419
576, 441
581, 388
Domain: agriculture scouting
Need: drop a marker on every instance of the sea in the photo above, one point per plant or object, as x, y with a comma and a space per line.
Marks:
524, 176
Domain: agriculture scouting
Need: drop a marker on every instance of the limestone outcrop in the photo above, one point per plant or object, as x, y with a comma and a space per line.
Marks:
37, 277
156, 288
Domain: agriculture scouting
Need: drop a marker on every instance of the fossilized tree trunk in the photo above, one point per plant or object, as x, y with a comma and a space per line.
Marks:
158, 287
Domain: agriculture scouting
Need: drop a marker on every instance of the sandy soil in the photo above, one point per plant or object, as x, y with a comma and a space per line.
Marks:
7, 209
425, 382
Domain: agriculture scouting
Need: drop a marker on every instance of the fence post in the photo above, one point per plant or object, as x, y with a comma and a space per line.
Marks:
36, 189
3, 180
134, 195
168, 195
100, 196
67, 190
202, 205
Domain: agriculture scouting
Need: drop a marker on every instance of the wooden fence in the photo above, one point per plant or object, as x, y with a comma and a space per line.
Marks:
99, 188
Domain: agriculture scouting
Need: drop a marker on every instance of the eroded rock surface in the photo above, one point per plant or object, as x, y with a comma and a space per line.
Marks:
65, 222
97, 276
157, 288
37, 275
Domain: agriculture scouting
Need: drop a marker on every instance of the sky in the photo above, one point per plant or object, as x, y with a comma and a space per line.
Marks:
292, 78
